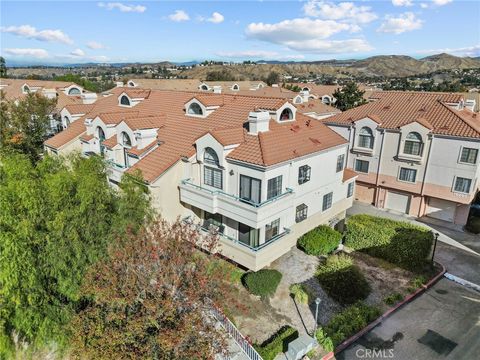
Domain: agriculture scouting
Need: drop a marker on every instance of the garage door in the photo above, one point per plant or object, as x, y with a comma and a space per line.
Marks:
441, 209
398, 202
364, 194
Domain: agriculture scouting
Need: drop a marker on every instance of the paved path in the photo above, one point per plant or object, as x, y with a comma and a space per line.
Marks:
443, 323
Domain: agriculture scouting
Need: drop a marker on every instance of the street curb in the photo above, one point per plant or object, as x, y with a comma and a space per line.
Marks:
390, 311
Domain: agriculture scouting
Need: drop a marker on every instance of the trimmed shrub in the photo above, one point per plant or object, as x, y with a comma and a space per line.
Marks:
417, 282
278, 343
301, 293
320, 241
325, 341
263, 283
398, 242
350, 321
342, 280
392, 299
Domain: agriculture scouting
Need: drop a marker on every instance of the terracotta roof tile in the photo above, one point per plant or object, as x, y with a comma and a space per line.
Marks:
138, 152
110, 142
86, 137
79, 108
348, 174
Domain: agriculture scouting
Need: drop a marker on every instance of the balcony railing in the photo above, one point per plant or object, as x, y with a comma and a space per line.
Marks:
287, 192
115, 165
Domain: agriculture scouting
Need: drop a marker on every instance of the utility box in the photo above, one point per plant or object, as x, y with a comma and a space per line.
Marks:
299, 347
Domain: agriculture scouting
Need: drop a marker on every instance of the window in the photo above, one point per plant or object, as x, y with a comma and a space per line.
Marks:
195, 109
248, 235
67, 121
204, 87
126, 140
361, 166
304, 174
124, 100
409, 175
212, 177
469, 156
286, 114
250, 189
298, 100
327, 201
305, 89
100, 133
340, 161
272, 230
213, 222
274, 187
301, 213
463, 185
413, 144
74, 91
26, 89
210, 157
350, 189
326, 99
365, 138
235, 87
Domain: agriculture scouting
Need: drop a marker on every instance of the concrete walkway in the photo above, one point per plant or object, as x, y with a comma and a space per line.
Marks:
450, 236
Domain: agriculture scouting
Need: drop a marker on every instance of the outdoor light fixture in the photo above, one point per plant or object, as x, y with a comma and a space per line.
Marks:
317, 303
435, 245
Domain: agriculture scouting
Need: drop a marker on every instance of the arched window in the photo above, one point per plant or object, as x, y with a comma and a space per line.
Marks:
204, 87
260, 86
67, 121
26, 89
124, 100
74, 91
413, 144
126, 140
326, 99
298, 100
100, 134
210, 157
131, 83
365, 138
235, 87
305, 89
286, 115
195, 109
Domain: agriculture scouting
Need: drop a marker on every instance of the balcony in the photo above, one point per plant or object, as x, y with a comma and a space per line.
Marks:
249, 213
115, 170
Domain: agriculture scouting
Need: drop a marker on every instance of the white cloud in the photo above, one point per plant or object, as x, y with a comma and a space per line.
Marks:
402, 2
95, 45
78, 53
434, 3
441, 2
263, 54
36, 53
179, 15
340, 11
403, 23
472, 51
30, 32
122, 7
331, 46
216, 18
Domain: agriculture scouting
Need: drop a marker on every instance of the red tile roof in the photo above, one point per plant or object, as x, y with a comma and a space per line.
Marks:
348, 174
110, 142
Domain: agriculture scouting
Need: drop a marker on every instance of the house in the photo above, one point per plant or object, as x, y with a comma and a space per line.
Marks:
415, 152
251, 169
321, 92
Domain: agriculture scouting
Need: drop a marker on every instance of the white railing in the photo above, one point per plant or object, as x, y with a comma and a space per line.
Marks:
236, 335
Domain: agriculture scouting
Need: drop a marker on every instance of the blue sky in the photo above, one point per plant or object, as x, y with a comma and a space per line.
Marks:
145, 31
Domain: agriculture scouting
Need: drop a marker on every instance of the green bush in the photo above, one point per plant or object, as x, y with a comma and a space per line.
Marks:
417, 282
277, 344
263, 283
325, 341
392, 299
398, 242
320, 241
301, 293
342, 280
350, 321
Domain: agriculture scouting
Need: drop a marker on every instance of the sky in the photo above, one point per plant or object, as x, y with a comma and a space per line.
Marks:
51, 32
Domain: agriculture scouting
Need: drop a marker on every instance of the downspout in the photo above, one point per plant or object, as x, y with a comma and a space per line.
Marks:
425, 172
379, 167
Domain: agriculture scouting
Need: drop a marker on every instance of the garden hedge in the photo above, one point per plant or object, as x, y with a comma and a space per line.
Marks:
401, 243
342, 280
278, 343
263, 283
301, 293
320, 241
350, 321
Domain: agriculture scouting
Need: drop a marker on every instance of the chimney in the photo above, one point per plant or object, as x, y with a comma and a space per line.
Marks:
305, 94
217, 89
258, 122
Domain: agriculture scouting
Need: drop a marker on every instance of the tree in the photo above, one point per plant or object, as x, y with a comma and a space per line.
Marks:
25, 124
153, 298
349, 97
3, 68
56, 219
272, 78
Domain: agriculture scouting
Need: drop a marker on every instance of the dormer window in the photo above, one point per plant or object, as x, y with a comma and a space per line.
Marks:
305, 89
211, 157
195, 109
298, 100
100, 134
413, 144
204, 87
26, 89
74, 91
235, 87
131, 84
286, 115
126, 140
66, 120
365, 138
124, 100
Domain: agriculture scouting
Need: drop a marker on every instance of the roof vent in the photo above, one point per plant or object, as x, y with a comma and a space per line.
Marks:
258, 121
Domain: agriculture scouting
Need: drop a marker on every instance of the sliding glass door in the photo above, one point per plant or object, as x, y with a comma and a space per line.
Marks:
250, 189
248, 235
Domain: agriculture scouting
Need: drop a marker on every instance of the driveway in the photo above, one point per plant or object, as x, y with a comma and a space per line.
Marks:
443, 323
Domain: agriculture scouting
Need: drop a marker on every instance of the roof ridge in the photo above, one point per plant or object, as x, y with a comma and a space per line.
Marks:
260, 143
454, 111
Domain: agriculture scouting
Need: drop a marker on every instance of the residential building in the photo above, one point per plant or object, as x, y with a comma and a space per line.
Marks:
415, 152
251, 169
196, 85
